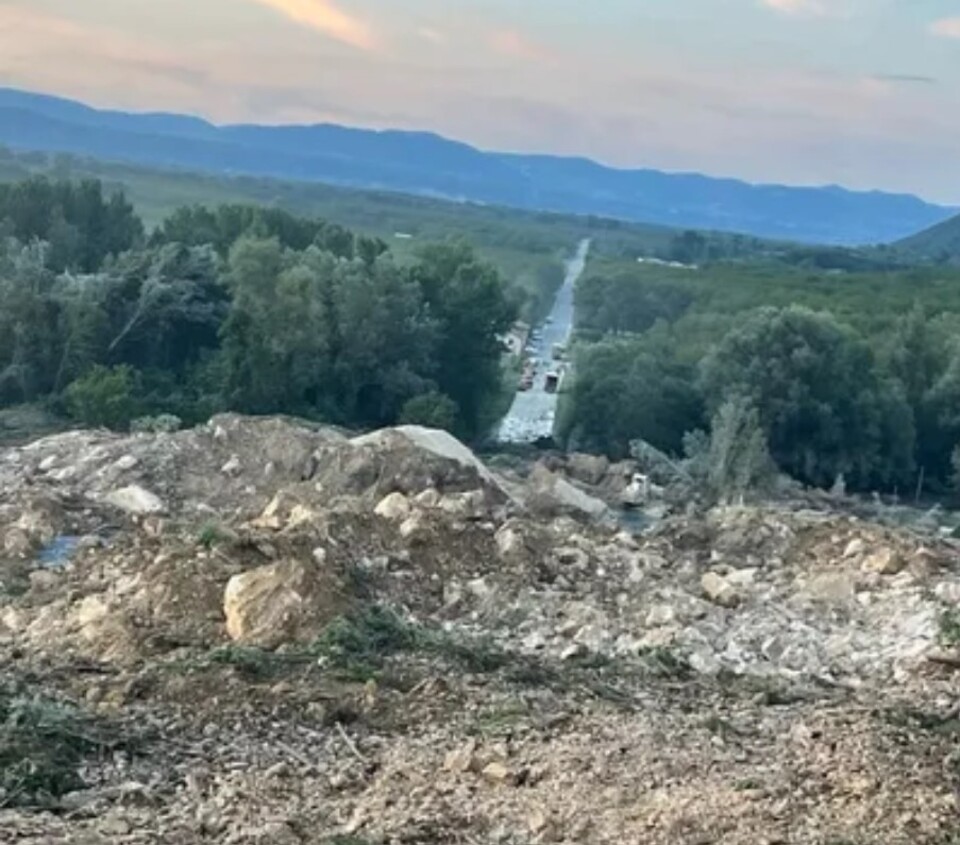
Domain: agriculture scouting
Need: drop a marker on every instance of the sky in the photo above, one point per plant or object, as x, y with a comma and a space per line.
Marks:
863, 93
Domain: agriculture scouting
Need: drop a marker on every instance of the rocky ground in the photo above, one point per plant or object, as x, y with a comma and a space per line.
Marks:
257, 632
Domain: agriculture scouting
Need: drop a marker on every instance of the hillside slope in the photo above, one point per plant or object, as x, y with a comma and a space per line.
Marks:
423, 163
938, 243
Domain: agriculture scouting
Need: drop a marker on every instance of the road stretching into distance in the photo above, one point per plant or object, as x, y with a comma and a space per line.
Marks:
533, 414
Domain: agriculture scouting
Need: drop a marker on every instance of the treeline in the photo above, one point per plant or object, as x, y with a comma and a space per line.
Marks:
239, 308
852, 376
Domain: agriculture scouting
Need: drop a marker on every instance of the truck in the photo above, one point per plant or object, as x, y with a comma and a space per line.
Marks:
552, 382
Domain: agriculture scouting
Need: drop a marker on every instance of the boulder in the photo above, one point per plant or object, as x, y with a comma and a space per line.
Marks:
551, 495
587, 469
283, 602
134, 500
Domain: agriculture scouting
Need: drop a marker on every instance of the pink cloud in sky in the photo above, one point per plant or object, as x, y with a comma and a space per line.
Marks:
327, 18
946, 27
512, 43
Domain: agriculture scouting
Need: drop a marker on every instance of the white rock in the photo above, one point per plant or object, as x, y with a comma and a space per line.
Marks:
831, 587
661, 614
232, 466
509, 541
854, 548
719, 590
705, 662
134, 500
127, 462
411, 526
429, 498
886, 561
395, 507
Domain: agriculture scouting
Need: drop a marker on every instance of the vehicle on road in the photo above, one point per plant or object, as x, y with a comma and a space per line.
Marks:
552, 382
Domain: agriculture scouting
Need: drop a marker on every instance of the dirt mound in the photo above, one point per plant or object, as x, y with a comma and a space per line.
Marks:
312, 636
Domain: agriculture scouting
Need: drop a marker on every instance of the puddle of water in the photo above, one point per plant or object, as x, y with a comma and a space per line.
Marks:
57, 553
635, 521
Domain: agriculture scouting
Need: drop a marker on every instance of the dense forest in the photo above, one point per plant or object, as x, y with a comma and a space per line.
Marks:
851, 374
848, 361
238, 307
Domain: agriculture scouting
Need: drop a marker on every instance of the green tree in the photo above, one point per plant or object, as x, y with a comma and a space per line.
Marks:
626, 390
471, 306
814, 385
734, 460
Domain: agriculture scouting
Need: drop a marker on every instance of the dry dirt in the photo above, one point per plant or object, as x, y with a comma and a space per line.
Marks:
415, 650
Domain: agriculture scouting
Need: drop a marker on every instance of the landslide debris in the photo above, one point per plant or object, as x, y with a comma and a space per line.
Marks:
259, 631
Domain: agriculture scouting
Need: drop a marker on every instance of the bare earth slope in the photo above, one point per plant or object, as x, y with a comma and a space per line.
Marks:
255, 632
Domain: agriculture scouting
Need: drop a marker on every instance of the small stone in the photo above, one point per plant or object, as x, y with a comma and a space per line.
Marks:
233, 467
496, 773
885, 561
395, 507
854, 548
509, 541
113, 826
572, 651
661, 614
537, 822
277, 770
127, 462
135, 500
719, 590
411, 526
704, 662
429, 498
462, 759
830, 587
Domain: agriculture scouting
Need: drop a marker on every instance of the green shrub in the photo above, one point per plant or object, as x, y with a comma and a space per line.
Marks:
105, 397
434, 410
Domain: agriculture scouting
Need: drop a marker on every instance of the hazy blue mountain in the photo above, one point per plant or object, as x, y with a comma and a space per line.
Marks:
938, 243
424, 163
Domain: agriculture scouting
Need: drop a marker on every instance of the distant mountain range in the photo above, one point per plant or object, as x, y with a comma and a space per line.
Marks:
423, 163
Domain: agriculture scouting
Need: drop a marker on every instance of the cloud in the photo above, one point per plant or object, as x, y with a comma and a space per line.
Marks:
798, 8
512, 43
325, 17
946, 27
906, 78
434, 36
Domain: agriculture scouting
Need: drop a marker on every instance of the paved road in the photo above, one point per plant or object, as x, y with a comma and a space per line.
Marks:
533, 413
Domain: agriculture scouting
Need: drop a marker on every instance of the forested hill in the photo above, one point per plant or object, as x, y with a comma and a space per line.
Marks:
940, 243
428, 164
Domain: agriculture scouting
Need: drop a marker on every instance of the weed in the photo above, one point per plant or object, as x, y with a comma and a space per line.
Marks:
42, 744
950, 627
211, 535
666, 663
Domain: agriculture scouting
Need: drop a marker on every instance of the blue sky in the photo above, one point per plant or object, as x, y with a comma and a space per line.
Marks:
864, 93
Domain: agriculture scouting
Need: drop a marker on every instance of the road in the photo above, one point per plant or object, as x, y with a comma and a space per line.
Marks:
533, 414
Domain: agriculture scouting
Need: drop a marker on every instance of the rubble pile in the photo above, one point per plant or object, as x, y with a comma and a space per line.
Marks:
303, 635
